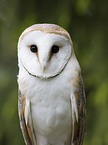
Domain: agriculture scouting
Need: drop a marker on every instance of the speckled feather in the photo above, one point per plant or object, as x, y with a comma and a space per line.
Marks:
21, 111
79, 127
47, 28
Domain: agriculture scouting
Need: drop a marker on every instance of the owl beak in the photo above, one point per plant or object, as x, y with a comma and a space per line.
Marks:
44, 59
43, 67
43, 64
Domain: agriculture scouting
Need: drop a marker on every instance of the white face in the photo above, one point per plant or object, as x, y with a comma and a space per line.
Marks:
44, 55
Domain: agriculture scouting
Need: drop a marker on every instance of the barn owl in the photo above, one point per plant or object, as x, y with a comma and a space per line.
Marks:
51, 98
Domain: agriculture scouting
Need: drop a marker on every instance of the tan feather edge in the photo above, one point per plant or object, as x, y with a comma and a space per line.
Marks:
46, 28
25, 129
79, 127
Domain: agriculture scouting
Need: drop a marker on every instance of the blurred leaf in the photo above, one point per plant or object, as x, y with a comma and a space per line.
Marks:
82, 6
4, 78
9, 108
101, 96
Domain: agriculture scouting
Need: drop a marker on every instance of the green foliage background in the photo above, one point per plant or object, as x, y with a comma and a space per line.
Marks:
87, 23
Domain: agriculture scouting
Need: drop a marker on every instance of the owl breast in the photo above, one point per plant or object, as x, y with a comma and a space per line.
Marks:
51, 111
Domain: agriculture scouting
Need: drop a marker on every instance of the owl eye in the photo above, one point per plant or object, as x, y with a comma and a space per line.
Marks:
55, 49
33, 48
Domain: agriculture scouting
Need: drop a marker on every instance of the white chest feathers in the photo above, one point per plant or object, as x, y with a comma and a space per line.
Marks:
50, 108
52, 119
51, 112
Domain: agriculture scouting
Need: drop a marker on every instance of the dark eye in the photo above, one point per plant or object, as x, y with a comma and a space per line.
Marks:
55, 49
33, 48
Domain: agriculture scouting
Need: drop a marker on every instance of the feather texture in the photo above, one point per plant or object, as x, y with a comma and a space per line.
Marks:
51, 98
79, 124
25, 127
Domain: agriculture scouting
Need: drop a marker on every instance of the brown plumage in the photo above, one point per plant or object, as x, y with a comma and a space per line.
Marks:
79, 127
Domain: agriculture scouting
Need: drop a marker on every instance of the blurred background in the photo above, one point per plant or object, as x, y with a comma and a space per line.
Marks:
87, 23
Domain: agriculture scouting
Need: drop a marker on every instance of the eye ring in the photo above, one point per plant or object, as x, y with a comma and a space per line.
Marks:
55, 49
33, 48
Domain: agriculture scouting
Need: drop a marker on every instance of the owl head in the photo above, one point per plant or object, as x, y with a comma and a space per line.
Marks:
44, 50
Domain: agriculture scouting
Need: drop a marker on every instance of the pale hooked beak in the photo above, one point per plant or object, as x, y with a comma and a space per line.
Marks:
44, 61
44, 57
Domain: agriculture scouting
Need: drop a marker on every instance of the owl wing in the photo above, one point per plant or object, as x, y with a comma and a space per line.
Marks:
78, 102
25, 120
